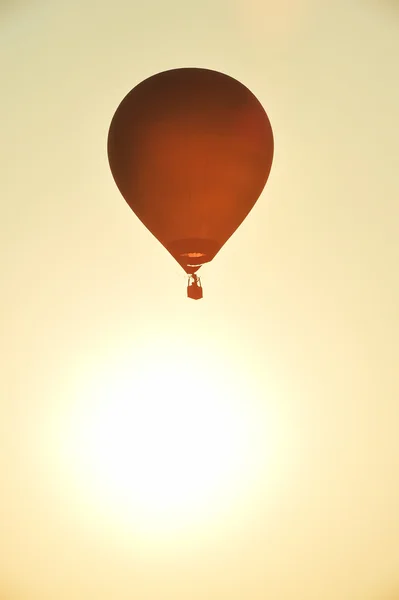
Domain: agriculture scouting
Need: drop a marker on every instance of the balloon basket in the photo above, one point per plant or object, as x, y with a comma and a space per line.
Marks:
194, 288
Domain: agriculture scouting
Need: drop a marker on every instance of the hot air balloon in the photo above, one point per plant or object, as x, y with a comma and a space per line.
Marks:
191, 150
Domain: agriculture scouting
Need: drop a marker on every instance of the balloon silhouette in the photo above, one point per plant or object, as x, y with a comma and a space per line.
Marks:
191, 150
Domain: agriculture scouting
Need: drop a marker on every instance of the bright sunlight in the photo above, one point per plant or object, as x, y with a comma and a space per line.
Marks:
167, 438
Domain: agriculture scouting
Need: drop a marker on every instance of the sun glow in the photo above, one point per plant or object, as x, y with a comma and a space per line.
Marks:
167, 439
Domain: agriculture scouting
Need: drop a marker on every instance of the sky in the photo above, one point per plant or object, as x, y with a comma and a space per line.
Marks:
243, 446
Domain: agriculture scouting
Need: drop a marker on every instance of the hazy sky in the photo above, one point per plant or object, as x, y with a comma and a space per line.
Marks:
294, 351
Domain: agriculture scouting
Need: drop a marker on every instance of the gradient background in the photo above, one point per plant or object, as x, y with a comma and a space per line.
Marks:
303, 300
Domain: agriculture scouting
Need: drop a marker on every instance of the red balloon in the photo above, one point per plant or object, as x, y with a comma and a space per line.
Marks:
190, 151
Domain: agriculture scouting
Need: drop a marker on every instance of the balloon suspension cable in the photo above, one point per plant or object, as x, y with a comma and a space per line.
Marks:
194, 278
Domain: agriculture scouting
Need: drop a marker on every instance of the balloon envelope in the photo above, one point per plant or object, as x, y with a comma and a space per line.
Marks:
190, 150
